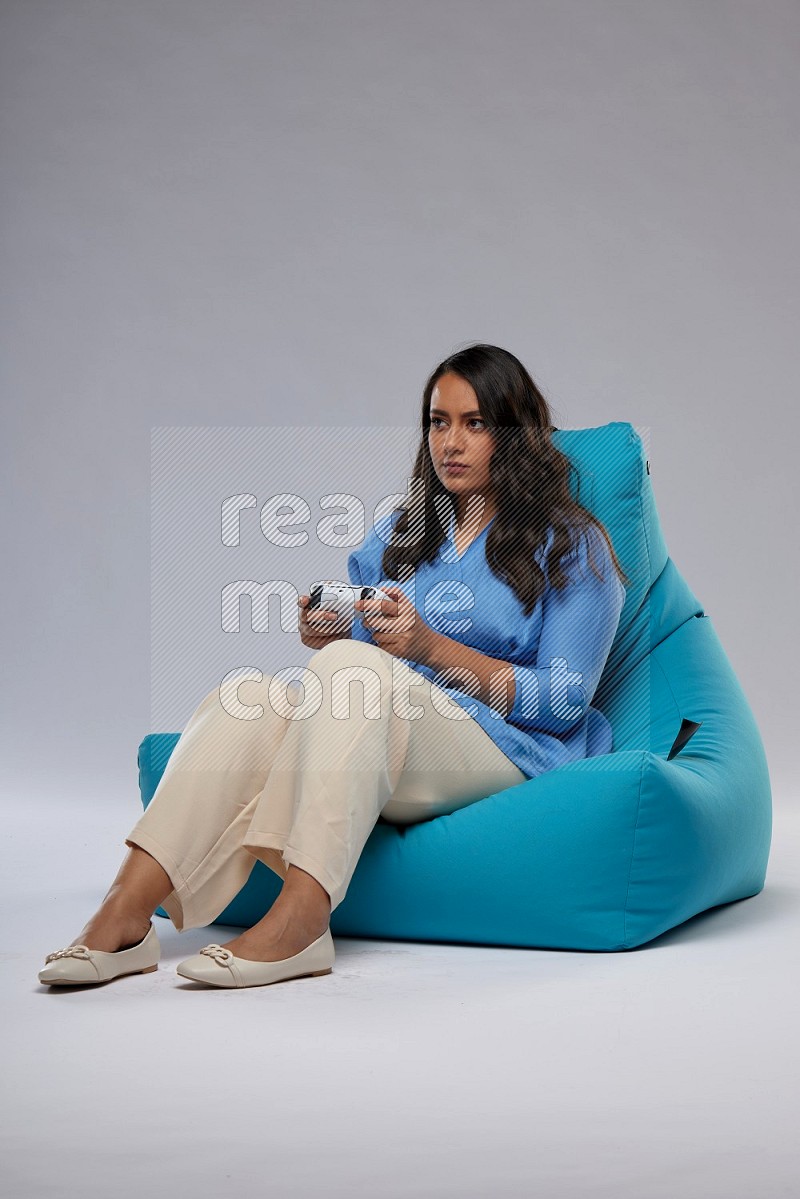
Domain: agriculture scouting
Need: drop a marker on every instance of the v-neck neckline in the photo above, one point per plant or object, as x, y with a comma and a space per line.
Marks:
468, 547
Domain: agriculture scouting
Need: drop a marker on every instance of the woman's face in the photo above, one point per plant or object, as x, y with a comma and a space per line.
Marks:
458, 434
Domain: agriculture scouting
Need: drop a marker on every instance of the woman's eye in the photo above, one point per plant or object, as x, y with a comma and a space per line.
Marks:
472, 421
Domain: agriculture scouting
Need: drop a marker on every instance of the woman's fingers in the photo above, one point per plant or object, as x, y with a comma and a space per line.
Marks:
318, 626
370, 608
317, 617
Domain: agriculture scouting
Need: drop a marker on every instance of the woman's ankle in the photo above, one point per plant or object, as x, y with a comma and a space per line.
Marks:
305, 893
124, 908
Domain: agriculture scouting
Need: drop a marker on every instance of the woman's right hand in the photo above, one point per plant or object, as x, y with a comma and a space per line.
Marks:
315, 625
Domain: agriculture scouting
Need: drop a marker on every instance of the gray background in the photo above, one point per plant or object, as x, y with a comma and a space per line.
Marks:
249, 214
238, 215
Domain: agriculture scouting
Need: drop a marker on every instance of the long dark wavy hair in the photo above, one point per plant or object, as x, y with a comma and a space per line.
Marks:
530, 478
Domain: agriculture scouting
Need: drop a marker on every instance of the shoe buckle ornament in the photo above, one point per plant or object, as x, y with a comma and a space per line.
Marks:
71, 951
223, 956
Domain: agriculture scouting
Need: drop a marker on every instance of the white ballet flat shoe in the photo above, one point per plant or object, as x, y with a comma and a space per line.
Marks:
76, 964
220, 968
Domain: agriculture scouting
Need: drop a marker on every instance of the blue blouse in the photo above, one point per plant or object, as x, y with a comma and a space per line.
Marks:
557, 652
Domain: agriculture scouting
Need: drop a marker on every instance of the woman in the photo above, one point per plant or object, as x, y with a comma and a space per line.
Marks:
476, 674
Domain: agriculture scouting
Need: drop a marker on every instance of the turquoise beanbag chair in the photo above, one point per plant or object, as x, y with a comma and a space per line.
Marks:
604, 853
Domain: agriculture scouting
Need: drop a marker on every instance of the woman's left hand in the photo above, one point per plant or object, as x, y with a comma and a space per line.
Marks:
396, 625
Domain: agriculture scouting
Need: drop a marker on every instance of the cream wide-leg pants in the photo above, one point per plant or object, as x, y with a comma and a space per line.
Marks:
265, 778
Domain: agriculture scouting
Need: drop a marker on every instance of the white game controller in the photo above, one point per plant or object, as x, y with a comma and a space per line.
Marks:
331, 596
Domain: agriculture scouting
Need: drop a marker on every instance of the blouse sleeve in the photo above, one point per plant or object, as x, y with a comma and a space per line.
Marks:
364, 568
579, 624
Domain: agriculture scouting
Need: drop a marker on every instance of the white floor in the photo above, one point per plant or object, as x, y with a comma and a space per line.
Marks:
412, 1070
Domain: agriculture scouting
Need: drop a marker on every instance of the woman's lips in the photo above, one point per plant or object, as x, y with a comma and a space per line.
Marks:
455, 468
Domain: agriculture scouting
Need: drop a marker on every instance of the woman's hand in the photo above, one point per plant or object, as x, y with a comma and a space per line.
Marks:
316, 625
396, 625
